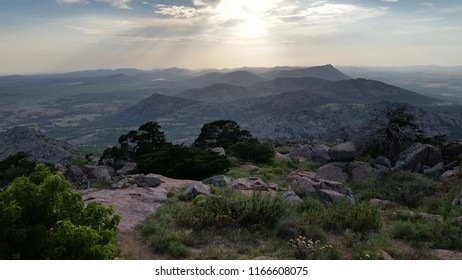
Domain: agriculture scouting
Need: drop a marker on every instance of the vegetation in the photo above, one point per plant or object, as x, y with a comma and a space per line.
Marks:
178, 161
15, 166
260, 153
221, 133
41, 218
389, 131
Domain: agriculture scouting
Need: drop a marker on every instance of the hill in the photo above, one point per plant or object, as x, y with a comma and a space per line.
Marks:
325, 72
218, 93
40, 147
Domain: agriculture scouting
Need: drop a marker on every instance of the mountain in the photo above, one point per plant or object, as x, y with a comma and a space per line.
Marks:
280, 85
325, 72
236, 78
218, 93
40, 147
155, 106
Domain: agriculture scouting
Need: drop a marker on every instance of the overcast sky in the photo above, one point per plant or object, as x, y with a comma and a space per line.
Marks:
65, 35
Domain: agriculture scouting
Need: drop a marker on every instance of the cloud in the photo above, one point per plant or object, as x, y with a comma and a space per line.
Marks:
120, 4
182, 12
390, 1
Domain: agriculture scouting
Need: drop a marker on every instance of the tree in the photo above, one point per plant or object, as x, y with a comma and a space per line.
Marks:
254, 152
41, 218
181, 162
136, 143
221, 133
14, 166
390, 131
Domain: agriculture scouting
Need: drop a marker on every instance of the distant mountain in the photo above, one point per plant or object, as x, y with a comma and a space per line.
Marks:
40, 147
236, 78
218, 93
325, 72
155, 106
280, 85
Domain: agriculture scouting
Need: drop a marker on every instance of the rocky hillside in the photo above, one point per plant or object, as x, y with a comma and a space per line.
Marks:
40, 147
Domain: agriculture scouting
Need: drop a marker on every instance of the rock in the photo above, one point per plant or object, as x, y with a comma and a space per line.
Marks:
75, 174
343, 152
452, 165
448, 174
383, 161
218, 181
100, 173
385, 255
435, 170
300, 153
403, 214
196, 188
361, 170
291, 197
447, 254
381, 204
335, 186
253, 183
273, 186
457, 221
320, 153
332, 172
127, 168
428, 217
333, 196
60, 168
305, 185
457, 200
295, 175
418, 154
147, 181
219, 150
280, 157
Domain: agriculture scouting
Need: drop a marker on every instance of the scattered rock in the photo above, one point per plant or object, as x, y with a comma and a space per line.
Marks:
147, 181
291, 197
99, 172
332, 172
418, 154
383, 161
219, 150
343, 152
75, 174
300, 153
253, 183
249, 167
333, 196
447, 254
305, 185
385, 255
220, 181
403, 214
449, 173
196, 188
127, 168
381, 204
295, 175
435, 170
336, 186
320, 153
428, 217
360, 170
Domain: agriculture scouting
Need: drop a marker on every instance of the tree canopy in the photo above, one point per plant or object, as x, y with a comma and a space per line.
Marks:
221, 133
41, 218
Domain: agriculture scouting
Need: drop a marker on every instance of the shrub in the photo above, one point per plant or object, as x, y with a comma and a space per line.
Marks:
41, 218
307, 249
292, 226
260, 153
221, 133
360, 217
181, 162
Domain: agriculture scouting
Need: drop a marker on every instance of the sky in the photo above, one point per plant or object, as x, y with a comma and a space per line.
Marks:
66, 35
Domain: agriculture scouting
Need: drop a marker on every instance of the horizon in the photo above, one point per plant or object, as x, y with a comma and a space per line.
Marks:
61, 36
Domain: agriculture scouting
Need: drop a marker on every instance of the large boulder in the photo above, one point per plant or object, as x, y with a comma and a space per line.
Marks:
75, 174
305, 185
196, 188
127, 168
253, 183
416, 155
320, 153
218, 181
332, 172
147, 181
100, 172
331, 196
219, 150
291, 197
360, 170
343, 152
383, 161
436, 170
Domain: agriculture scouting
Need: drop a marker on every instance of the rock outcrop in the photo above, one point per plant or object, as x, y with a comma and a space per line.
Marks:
418, 155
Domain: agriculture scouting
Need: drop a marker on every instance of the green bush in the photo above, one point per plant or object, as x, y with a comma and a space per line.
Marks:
260, 153
237, 210
307, 249
41, 218
181, 162
292, 226
14, 166
360, 217
221, 133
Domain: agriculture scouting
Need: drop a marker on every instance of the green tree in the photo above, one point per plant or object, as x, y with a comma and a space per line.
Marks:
147, 139
390, 131
14, 166
41, 218
181, 162
221, 133
254, 152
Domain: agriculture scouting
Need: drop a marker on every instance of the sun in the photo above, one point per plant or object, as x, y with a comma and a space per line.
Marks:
249, 17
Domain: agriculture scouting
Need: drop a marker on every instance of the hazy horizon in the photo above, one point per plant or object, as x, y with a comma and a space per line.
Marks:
58, 36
